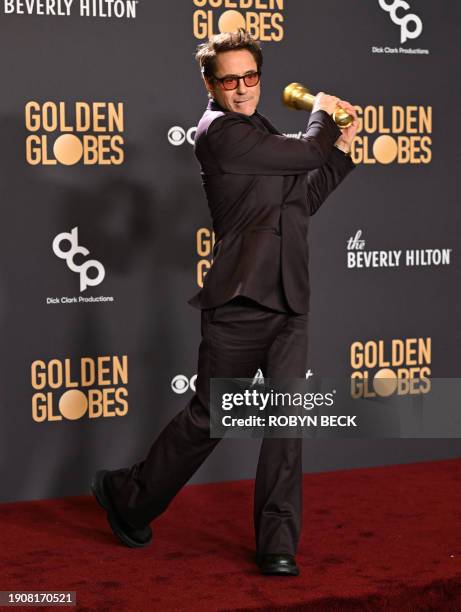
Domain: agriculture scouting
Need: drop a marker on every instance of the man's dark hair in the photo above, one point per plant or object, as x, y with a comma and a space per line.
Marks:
227, 41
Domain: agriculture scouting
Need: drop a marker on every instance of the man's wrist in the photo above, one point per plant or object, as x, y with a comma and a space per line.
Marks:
343, 147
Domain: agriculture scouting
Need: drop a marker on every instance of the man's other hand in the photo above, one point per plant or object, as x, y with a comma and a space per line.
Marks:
325, 102
347, 134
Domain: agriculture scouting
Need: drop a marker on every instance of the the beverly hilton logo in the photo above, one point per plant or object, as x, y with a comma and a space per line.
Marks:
358, 256
89, 133
263, 19
397, 367
105, 9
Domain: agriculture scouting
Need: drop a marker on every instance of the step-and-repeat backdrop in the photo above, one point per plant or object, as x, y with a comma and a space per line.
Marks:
105, 231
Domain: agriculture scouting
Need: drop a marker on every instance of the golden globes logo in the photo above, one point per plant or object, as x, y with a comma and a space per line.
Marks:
205, 239
90, 387
263, 19
400, 134
400, 367
83, 132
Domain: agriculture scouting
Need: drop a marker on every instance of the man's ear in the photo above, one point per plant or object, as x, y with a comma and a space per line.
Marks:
208, 85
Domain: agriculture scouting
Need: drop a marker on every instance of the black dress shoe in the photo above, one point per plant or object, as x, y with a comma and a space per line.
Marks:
278, 565
134, 538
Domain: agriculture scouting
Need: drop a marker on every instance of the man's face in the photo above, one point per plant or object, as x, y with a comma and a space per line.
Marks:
244, 99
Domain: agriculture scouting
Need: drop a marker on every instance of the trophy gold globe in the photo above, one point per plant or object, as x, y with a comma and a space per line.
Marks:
299, 97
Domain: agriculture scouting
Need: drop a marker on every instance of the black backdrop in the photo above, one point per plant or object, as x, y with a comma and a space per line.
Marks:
68, 403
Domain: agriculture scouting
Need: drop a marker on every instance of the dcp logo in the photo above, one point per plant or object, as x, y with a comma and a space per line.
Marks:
177, 135
75, 249
180, 383
403, 21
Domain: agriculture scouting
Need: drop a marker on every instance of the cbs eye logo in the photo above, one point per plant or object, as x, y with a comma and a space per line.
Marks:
177, 135
69, 255
180, 383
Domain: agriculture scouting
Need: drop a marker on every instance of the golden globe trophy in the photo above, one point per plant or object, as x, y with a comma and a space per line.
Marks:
299, 97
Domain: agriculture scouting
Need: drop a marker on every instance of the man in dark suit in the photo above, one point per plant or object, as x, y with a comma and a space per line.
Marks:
261, 187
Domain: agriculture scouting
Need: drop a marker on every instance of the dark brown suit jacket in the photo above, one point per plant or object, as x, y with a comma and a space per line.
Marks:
261, 188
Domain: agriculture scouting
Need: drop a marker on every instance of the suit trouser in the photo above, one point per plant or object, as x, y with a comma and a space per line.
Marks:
237, 339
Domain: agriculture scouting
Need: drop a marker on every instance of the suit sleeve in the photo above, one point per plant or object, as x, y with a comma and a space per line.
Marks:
238, 147
322, 181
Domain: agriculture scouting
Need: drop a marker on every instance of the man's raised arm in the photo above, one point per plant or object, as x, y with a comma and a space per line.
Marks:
238, 147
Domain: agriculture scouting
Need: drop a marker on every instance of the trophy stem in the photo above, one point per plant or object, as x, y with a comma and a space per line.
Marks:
299, 97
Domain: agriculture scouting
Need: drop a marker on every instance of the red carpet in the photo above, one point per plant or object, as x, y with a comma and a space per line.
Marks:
374, 539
